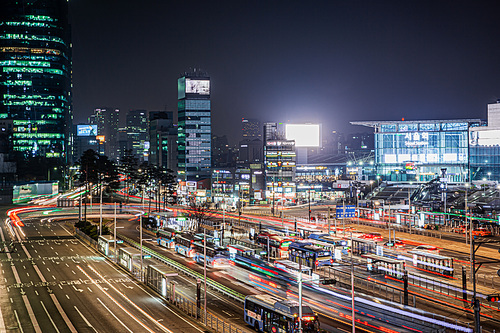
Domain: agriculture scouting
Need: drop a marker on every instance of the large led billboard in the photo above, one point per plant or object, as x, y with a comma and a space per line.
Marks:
200, 87
86, 130
305, 135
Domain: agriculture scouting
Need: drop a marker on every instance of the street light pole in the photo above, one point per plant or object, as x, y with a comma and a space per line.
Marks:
205, 275
352, 292
309, 199
300, 296
140, 236
100, 212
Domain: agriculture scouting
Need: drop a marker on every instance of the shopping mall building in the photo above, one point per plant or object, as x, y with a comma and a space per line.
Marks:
469, 149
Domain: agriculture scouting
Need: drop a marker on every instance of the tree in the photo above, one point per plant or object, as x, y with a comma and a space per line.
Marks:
97, 169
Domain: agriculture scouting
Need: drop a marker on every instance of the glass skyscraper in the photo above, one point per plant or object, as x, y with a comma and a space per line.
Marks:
194, 126
35, 76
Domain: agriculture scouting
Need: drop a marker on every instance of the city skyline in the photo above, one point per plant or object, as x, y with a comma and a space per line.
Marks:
331, 63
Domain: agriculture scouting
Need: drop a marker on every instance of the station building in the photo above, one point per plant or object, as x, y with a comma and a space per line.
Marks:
419, 150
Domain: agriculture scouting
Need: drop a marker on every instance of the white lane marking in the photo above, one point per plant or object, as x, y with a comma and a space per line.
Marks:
18, 322
48, 269
85, 319
114, 316
124, 297
48, 315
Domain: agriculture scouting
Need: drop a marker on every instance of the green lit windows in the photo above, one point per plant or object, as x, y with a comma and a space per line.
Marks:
42, 18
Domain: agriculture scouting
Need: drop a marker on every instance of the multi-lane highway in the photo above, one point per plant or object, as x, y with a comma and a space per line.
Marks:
54, 283
44, 241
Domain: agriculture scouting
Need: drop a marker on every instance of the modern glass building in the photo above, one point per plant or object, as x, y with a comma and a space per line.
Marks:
194, 126
484, 144
35, 76
419, 150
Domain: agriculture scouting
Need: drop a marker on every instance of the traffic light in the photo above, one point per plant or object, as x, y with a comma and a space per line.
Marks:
493, 298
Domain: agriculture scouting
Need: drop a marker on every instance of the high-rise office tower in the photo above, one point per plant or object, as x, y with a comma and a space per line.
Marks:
35, 76
251, 128
137, 133
107, 121
163, 140
194, 127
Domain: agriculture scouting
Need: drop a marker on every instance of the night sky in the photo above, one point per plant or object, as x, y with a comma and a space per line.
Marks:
290, 61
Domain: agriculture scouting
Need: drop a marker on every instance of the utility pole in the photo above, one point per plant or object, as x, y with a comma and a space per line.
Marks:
309, 197
205, 275
300, 296
475, 301
100, 211
352, 292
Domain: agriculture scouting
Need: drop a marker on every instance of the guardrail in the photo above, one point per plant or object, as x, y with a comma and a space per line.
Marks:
392, 293
187, 271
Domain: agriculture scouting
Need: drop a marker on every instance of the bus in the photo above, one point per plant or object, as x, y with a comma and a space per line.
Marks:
184, 244
278, 245
364, 246
387, 266
166, 237
216, 256
294, 268
307, 254
279, 231
431, 262
269, 313
339, 244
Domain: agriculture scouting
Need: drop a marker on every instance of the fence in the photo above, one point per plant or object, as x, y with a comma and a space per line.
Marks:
182, 303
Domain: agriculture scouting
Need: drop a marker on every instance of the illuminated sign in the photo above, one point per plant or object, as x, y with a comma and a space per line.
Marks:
305, 135
86, 130
100, 138
280, 143
200, 87
410, 166
417, 139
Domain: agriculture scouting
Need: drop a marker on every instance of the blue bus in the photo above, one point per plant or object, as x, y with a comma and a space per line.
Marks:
269, 313
337, 242
217, 257
184, 244
166, 237
310, 255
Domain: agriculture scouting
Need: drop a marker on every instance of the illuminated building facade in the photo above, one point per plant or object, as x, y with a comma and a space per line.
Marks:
35, 76
107, 121
163, 140
279, 165
138, 134
418, 150
194, 126
484, 143
251, 128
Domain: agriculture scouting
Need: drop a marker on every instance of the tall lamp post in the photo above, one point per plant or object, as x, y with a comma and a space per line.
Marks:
100, 210
309, 200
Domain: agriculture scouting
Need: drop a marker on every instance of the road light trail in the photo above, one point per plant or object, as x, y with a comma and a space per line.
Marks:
125, 297
117, 319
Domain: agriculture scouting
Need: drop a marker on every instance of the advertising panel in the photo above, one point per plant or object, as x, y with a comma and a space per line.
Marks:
305, 135
86, 130
200, 87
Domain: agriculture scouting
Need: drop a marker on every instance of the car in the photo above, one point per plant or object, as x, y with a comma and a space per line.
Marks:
481, 231
427, 248
397, 244
460, 229
376, 236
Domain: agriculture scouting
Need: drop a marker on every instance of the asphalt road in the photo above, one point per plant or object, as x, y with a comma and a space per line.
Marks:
54, 283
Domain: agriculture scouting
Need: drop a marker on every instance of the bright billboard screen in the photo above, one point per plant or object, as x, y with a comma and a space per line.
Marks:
201, 87
305, 135
86, 130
